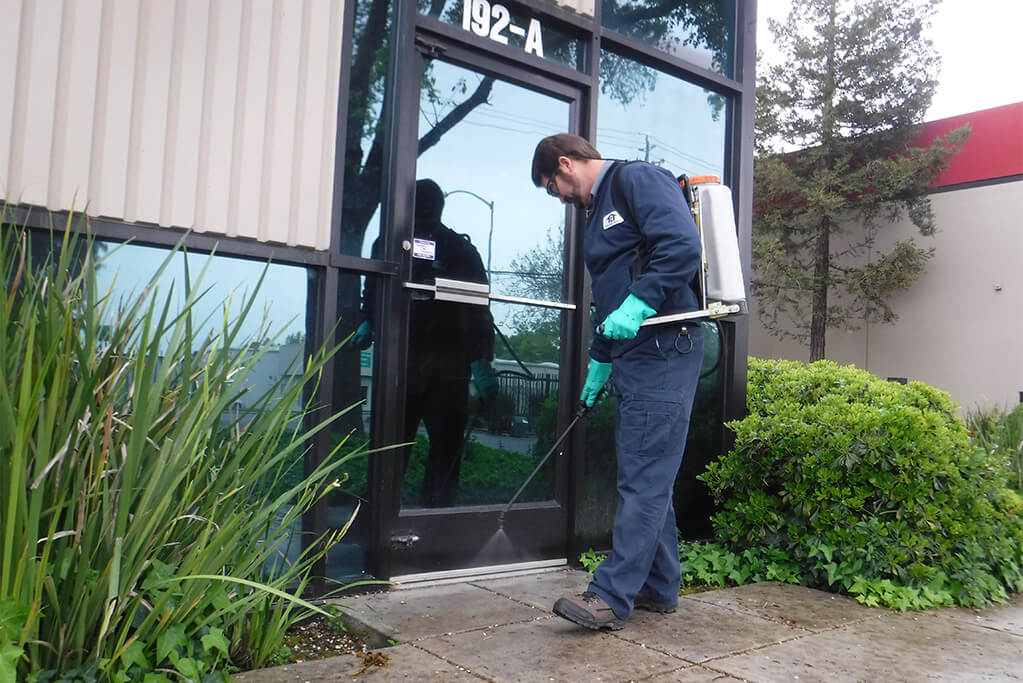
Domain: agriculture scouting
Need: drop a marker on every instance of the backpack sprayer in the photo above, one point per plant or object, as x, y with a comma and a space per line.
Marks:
722, 291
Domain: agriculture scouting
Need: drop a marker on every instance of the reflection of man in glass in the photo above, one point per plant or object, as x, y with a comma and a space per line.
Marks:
448, 341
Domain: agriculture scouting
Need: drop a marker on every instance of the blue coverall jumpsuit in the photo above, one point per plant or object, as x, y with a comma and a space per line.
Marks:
655, 374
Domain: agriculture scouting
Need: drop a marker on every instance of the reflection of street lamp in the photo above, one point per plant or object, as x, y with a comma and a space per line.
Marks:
490, 236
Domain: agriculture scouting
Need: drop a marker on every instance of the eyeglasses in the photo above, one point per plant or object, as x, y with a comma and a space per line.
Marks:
552, 187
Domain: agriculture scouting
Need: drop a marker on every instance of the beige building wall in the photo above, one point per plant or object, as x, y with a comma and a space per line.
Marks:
213, 115
960, 327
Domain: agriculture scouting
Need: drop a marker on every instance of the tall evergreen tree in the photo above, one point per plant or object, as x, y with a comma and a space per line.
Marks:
854, 80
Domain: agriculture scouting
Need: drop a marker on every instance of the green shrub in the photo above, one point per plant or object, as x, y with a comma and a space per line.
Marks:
135, 541
868, 487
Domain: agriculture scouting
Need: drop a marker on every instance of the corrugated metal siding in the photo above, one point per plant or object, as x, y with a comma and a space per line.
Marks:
214, 115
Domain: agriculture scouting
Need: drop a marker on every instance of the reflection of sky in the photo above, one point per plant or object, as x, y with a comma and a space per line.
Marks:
281, 298
675, 120
490, 154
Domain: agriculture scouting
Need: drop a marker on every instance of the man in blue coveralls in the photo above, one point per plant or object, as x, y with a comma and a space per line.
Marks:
643, 259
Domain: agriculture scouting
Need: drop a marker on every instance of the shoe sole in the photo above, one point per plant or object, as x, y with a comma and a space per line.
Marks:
658, 607
568, 610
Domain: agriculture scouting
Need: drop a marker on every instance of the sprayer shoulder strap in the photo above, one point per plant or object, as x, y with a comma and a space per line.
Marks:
621, 202
618, 198
621, 205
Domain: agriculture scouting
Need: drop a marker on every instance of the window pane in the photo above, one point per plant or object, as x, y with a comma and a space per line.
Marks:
353, 383
370, 46
271, 338
482, 221
279, 306
646, 114
693, 503
699, 32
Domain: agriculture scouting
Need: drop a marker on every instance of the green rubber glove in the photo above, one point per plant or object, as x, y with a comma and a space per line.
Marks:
484, 378
624, 321
596, 378
363, 336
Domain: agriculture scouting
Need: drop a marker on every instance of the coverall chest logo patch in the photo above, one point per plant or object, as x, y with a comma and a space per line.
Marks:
612, 219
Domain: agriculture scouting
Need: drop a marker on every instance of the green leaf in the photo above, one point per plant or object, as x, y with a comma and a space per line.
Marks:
826, 550
155, 677
9, 656
216, 639
218, 596
171, 639
188, 667
158, 573
13, 616
135, 654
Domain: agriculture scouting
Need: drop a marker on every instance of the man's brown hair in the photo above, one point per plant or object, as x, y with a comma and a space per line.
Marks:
545, 158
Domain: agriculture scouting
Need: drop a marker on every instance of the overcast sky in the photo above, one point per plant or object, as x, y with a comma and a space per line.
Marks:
979, 43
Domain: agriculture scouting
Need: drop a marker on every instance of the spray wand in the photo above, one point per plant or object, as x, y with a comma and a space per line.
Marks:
582, 411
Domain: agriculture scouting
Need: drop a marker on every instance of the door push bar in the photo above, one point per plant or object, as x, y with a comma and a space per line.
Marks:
478, 294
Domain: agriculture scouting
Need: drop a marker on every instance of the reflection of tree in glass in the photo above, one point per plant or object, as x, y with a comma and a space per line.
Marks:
537, 274
706, 25
44, 247
701, 25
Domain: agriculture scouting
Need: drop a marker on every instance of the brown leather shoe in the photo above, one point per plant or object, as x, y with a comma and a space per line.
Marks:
589, 610
651, 605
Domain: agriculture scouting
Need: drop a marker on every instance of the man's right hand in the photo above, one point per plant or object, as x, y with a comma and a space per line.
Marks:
596, 378
363, 336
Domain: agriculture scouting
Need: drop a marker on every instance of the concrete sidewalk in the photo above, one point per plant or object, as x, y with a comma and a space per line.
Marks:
502, 629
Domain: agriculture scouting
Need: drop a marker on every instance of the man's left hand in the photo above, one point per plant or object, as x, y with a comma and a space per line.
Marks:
624, 321
484, 378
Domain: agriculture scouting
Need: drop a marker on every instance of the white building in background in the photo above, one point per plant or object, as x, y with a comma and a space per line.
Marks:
275, 370
960, 327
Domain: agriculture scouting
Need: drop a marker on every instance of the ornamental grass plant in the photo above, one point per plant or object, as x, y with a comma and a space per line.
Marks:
1000, 433
141, 529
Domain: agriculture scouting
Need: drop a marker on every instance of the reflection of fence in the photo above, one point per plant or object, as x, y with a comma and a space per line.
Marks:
524, 397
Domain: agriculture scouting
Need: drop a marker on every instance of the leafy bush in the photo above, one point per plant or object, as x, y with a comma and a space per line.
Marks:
134, 542
868, 487
1001, 435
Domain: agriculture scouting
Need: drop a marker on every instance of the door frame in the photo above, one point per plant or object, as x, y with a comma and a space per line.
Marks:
549, 523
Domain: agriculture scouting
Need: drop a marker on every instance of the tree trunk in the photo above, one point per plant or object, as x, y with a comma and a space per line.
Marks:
822, 255
819, 306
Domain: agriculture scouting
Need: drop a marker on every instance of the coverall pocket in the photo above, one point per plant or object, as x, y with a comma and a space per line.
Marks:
647, 422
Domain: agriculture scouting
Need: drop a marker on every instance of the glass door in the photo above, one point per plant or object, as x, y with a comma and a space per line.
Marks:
487, 312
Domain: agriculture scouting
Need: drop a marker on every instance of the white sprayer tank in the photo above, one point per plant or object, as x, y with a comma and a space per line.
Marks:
712, 205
